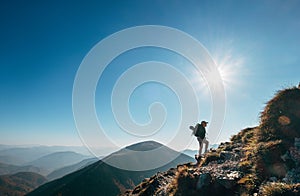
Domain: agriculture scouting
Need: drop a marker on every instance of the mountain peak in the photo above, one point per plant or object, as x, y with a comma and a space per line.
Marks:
144, 146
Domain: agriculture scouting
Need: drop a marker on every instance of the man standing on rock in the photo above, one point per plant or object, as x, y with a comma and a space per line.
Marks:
199, 131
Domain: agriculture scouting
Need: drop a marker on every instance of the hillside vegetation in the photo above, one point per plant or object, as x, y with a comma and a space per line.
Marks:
20, 183
262, 160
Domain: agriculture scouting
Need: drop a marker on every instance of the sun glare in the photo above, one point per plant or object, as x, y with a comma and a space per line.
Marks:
230, 68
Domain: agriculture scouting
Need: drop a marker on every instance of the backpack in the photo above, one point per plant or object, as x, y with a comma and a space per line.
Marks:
200, 132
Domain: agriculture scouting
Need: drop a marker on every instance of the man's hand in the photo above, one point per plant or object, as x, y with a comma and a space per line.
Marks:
191, 127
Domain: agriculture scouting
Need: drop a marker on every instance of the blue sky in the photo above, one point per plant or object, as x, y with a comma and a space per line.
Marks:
256, 45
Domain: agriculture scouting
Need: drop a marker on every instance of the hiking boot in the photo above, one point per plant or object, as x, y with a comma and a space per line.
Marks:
197, 157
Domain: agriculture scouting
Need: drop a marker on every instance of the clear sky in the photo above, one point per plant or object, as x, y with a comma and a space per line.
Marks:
256, 45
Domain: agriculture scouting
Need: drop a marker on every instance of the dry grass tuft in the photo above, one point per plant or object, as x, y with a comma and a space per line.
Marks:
281, 116
280, 189
184, 183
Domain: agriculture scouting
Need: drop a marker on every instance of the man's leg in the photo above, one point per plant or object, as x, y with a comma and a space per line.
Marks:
206, 144
200, 145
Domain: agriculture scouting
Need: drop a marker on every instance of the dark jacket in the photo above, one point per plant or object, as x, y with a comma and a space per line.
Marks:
200, 131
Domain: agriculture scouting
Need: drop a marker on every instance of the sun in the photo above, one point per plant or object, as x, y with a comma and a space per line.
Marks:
230, 69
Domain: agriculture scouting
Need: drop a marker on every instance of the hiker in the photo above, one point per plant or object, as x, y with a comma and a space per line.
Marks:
199, 131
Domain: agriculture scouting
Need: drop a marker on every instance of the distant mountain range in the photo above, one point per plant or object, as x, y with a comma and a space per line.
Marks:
45, 164
38, 162
19, 180
57, 160
101, 178
20, 155
192, 153
6, 169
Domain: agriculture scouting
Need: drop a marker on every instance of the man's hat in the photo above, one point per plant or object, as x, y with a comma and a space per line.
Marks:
204, 122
